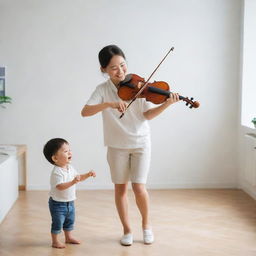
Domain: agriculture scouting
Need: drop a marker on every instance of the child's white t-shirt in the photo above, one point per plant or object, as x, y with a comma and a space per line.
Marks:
132, 130
58, 176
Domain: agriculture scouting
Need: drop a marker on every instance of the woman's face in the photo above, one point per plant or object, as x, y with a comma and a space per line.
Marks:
116, 69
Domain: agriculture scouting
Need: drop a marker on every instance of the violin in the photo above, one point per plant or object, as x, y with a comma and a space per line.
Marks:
156, 92
134, 86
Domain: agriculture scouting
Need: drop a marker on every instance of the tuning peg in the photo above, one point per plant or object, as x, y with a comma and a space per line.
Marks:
191, 98
191, 106
187, 104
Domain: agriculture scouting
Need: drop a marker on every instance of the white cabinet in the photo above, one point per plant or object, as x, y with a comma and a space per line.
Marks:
250, 159
8, 183
248, 168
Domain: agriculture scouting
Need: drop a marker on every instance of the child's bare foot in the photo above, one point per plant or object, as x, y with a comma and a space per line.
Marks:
58, 245
72, 241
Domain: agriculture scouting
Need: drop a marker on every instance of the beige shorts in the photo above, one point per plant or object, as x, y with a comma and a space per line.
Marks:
129, 164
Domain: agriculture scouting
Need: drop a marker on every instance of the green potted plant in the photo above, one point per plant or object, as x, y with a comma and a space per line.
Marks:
5, 99
254, 121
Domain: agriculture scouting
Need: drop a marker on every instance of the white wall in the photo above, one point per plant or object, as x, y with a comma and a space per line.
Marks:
50, 49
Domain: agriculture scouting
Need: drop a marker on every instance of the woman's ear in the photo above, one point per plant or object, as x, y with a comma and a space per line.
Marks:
102, 70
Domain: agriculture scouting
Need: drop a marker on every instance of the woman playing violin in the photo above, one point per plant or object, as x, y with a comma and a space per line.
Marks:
127, 139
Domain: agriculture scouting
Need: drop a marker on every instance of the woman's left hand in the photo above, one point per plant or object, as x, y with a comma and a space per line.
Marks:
174, 97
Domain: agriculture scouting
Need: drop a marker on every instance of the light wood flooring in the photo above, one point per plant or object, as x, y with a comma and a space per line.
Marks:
185, 223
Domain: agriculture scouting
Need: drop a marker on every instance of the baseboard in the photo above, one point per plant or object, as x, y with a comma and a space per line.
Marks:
149, 186
249, 191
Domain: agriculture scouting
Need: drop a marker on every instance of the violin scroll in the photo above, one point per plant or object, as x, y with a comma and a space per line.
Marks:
190, 102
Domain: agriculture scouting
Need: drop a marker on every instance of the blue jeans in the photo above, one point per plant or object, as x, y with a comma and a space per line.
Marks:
63, 215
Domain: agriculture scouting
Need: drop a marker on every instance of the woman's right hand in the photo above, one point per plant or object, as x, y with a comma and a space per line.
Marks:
76, 179
90, 110
119, 105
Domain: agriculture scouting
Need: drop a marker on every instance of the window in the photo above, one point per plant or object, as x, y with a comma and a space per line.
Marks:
249, 64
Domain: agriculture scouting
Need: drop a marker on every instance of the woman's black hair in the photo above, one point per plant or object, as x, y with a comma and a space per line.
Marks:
107, 53
52, 147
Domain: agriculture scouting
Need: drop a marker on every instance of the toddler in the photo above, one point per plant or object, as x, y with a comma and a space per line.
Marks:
63, 190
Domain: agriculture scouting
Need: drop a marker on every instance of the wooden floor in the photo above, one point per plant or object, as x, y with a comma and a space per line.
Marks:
185, 223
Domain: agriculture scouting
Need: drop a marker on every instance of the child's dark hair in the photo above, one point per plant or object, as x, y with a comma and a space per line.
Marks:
51, 148
107, 53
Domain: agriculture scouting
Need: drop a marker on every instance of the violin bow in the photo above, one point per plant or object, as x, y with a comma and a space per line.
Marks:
146, 83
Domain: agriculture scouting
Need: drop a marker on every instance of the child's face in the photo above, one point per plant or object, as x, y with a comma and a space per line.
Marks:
116, 69
63, 156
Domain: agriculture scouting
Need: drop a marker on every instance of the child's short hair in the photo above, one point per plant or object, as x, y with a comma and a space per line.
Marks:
52, 147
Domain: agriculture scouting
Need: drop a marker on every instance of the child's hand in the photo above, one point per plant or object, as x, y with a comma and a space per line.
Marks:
92, 174
87, 175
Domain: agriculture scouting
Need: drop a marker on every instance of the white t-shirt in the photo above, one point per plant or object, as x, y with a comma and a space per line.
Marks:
132, 130
58, 176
